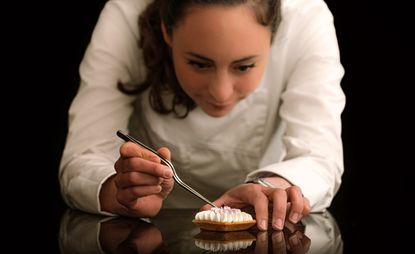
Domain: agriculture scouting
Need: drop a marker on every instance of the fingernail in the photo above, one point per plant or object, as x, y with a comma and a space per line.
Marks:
262, 237
278, 237
294, 240
263, 225
278, 224
168, 173
294, 217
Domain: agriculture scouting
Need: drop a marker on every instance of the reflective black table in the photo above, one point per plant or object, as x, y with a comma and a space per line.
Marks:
172, 231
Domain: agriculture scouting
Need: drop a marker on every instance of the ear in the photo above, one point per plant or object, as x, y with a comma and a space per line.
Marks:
166, 35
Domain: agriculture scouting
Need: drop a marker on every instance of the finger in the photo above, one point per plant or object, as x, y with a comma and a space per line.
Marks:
131, 179
167, 186
165, 153
297, 203
260, 202
278, 242
279, 208
130, 195
307, 207
130, 149
144, 166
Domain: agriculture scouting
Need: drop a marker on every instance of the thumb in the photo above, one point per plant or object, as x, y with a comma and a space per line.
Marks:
164, 152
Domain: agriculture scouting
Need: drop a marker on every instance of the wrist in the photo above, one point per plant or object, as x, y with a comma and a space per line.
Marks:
272, 182
264, 182
107, 199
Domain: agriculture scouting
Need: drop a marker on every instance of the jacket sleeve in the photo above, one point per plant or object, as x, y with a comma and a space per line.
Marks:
310, 112
99, 109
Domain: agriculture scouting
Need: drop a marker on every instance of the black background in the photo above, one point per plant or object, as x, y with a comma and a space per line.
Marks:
372, 206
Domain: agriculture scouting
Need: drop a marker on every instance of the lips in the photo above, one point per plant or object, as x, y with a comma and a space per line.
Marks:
216, 109
220, 105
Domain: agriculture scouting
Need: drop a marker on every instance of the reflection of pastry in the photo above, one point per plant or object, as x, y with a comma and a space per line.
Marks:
223, 241
224, 219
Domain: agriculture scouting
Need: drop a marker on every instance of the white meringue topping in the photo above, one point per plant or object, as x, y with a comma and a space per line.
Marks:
223, 214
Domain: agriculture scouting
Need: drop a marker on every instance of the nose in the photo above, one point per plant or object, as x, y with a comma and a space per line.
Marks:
221, 87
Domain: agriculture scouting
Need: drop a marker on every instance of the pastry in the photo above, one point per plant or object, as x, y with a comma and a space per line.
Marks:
224, 219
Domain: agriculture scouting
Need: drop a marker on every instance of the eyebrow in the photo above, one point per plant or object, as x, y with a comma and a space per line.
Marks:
211, 61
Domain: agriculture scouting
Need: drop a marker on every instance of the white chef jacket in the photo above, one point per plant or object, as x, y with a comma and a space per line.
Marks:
289, 126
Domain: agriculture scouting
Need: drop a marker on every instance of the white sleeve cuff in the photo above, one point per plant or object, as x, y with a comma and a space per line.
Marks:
82, 178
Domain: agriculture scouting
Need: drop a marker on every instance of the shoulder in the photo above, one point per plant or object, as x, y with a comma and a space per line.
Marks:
300, 15
113, 47
127, 10
120, 17
129, 5
304, 8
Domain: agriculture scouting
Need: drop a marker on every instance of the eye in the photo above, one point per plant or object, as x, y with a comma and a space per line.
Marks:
245, 67
198, 65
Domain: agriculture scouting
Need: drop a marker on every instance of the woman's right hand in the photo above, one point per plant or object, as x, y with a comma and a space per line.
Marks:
140, 184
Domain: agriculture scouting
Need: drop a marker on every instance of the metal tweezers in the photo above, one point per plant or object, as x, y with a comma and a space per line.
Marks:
176, 178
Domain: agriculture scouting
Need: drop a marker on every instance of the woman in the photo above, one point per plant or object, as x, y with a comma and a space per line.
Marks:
232, 91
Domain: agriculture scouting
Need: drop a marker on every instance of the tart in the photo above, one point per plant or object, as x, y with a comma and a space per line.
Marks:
224, 219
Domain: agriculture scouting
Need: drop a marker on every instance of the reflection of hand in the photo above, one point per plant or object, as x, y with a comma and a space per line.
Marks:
126, 235
296, 242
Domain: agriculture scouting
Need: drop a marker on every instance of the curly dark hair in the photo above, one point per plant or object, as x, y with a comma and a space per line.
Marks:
161, 77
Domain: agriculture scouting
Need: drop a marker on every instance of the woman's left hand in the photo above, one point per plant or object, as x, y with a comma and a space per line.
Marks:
286, 202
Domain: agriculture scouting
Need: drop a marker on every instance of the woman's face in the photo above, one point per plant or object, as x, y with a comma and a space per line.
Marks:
219, 55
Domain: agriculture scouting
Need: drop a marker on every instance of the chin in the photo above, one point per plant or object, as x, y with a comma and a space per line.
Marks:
214, 110
217, 113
